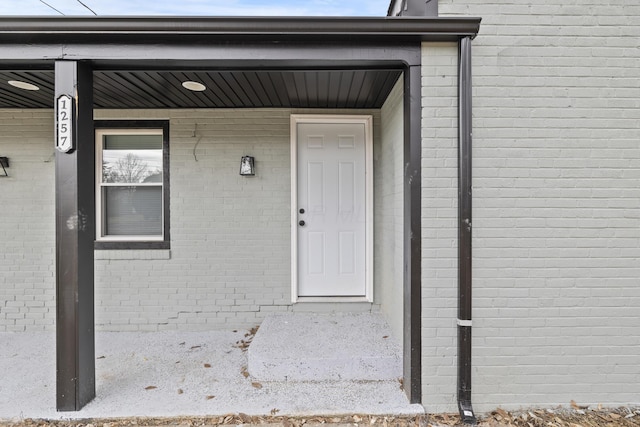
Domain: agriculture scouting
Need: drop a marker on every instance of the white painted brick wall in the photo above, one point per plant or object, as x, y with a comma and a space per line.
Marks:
439, 224
230, 235
556, 208
229, 262
389, 193
27, 213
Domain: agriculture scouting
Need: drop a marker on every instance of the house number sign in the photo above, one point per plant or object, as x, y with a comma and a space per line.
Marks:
64, 133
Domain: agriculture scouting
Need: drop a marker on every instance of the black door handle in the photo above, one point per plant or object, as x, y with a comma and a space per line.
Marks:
301, 223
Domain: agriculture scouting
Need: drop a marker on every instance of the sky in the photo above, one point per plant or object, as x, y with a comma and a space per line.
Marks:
197, 7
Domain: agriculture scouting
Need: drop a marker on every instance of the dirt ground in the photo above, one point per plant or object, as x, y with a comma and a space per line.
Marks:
575, 416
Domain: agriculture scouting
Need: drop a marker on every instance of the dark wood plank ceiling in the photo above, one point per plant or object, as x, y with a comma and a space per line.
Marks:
225, 89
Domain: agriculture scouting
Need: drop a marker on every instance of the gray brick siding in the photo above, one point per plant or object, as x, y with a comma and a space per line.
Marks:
556, 127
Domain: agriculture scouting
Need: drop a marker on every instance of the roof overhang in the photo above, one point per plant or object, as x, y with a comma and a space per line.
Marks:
304, 62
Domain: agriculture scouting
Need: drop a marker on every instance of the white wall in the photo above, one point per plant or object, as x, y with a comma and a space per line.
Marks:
229, 262
389, 218
439, 225
27, 221
556, 208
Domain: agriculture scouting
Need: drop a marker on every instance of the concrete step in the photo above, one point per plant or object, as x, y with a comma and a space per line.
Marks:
324, 347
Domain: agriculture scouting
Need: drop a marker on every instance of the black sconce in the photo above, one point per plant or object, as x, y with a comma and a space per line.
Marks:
247, 166
4, 162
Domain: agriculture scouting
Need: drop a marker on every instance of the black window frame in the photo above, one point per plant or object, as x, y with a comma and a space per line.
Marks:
165, 243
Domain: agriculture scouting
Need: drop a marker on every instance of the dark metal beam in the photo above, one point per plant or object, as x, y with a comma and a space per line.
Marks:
218, 55
412, 314
464, 231
75, 234
136, 29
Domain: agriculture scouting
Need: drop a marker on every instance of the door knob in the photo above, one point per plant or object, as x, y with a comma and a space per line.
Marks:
301, 211
301, 223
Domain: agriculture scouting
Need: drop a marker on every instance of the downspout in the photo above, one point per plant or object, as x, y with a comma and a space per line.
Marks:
464, 231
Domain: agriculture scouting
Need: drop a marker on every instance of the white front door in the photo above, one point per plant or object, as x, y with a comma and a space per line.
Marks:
331, 217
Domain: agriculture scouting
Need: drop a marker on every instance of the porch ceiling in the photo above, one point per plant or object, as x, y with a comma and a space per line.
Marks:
225, 88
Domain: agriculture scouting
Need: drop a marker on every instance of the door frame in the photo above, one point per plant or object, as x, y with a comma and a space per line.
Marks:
367, 121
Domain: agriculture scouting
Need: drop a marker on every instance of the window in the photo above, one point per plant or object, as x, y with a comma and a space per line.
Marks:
132, 185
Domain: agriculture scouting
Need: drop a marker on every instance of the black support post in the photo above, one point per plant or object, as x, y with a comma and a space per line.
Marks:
75, 233
464, 231
412, 339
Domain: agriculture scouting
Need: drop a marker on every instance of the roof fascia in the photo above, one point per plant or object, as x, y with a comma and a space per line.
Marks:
138, 29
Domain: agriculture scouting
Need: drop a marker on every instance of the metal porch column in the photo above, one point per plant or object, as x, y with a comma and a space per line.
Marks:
75, 234
412, 339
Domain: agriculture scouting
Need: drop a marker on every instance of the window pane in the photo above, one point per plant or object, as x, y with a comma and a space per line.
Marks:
133, 211
132, 159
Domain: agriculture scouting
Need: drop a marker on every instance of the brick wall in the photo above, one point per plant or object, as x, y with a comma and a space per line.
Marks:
389, 217
27, 227
229, 262
439, 224
556, 207
229, 256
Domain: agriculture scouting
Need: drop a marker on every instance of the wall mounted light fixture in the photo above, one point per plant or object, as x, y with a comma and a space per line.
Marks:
247, 166
4, 163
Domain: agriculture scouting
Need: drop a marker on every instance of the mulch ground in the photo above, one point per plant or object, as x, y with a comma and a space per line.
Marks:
576, 416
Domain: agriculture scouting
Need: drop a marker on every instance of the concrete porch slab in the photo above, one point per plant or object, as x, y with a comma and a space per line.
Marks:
166, 374
325, 347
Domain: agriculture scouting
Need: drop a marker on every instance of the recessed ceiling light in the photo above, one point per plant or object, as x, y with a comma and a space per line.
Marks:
23, 85
194, 86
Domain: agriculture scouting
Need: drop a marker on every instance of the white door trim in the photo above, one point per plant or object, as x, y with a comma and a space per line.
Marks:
367, 121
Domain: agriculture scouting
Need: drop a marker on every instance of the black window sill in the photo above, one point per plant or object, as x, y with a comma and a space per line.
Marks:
131, 245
